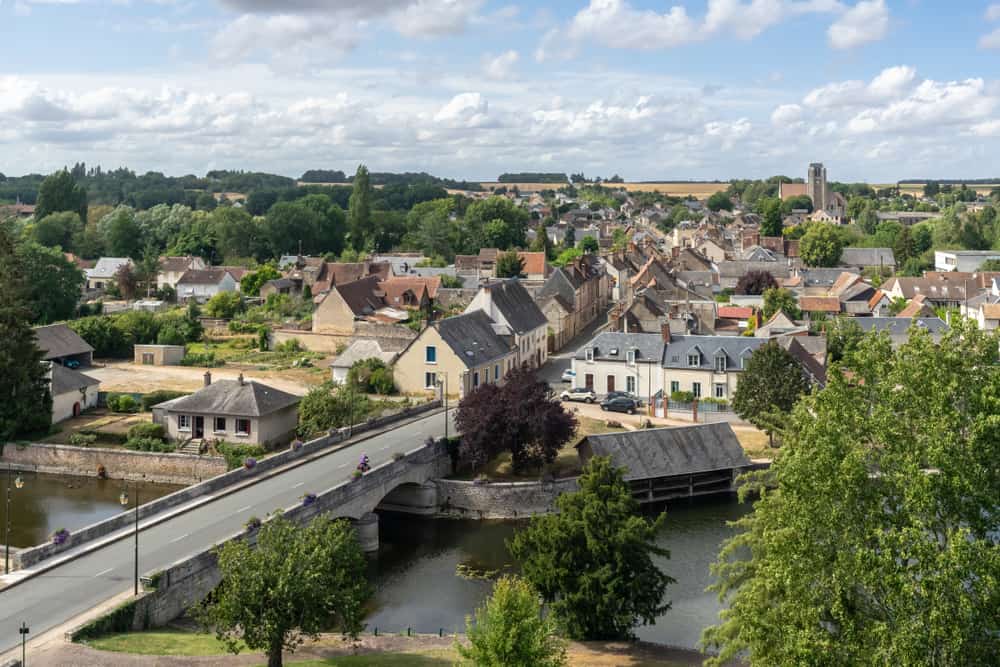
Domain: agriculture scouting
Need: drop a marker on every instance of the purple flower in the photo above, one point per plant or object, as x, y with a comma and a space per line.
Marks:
250, 462
308, 499
60, 536
296, 445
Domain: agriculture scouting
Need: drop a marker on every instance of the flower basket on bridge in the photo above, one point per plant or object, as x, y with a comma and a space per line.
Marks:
356, 475
252, 524
398, 456
60, 536
250, 463
308, 499
296, 445
481, 479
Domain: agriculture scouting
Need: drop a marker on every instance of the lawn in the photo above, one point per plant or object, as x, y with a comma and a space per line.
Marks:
160, 642
243, 350
754, 443
430, 658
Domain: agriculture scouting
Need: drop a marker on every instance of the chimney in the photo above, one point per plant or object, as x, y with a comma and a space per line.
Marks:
675, 251
240, 379
665, 332
208, 378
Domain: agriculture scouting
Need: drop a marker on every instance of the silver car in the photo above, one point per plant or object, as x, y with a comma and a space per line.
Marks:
579, 394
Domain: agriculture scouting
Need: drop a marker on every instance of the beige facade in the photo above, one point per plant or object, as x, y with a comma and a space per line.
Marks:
429, 360
159, 355
72, 403
274, 429
702, 383
333, 315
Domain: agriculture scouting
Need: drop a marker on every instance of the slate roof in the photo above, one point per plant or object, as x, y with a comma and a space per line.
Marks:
675, 354
899, 326
280, 283
212, 276
737, 268
107, 267
65, 380
175, 264
867, 257
363, 296
663, 452
612, 345
516, 305
58, 340
229, 397
364, 348
472, 338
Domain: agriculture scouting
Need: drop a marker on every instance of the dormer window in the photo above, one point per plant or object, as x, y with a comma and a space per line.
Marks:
590, 353
720, 363
630, 356
614, 352
694, 359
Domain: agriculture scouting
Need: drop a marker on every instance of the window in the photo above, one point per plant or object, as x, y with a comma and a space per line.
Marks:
720, 390
696, 389
675, 386
720, 363
694, 359
630, 356
630, 384
475, 379
431, 354
590, 354
496, 372
430, 380
242, 427
220, 425
183, 422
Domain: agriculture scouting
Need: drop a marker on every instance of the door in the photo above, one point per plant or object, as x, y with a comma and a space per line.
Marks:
611, 383
589, 377
147, 358
199, 428
76, 409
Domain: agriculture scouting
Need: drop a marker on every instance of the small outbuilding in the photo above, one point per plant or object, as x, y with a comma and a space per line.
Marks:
61, 345
72, 392
357, 351
677, 462
159, 355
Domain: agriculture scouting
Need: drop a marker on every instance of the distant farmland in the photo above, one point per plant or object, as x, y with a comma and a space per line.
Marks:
701, 190
917, 189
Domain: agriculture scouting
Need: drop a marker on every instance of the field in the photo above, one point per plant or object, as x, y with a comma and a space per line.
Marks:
917, 189
701, 190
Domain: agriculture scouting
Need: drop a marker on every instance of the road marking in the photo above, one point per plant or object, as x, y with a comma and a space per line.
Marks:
344, 465
181, 537
298, 485
103, 572
243, 509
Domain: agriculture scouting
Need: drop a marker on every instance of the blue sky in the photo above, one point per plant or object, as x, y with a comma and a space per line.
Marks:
877, 89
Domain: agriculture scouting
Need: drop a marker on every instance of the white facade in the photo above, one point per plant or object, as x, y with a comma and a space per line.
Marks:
642, 378
71, 403
205, 291
966, 261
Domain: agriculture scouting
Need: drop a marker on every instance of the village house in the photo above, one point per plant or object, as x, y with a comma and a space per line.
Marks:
344, 304
105, 272
173, 268
507, 303
572, 297
72, 392
614, 361
461, 352
963, 260
240, 411
706, 366
61, 345
202, 284
359, 350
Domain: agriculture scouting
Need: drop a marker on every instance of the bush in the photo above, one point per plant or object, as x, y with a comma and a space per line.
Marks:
291, 345
159, 396
682, 396
224, 305
149, 445
147, 430
371, 376
236, 453
202, 360
82, 439
122, 403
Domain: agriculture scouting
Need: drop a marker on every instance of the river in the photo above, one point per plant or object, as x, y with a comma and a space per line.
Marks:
47, 503
417, 585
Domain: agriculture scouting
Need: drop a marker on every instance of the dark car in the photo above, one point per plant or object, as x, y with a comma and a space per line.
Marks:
624, 394
619, 404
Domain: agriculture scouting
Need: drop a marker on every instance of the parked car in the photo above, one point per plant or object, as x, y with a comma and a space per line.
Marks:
568, 375
619, 404
72, 363
579, 394
625, 394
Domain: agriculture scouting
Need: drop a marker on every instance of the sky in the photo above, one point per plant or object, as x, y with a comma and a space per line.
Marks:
878, 90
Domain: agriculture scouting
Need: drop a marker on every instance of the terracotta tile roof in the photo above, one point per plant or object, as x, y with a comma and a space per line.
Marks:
396, 290
534, 262
843, 281
735, 312
788, 190
876, 297
820, 304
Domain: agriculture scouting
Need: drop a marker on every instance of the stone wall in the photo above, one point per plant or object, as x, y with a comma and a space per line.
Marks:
507, 500
33, 555
119, 463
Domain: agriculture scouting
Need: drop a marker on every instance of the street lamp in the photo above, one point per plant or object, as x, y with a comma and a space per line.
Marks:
23, 631
123, 499
18, 483
444, 394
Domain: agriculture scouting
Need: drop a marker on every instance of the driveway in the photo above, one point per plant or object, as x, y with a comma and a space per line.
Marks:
551, 371
127, 376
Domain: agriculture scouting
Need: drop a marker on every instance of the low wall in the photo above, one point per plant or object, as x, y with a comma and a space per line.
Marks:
119, 463
504, 500
33, 555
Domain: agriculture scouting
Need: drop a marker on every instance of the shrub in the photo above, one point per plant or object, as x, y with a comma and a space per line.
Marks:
682, 396
201, 359
291, 345
149, 445
253, 523
236, 453
82, 439
122, 403
159, 396
224, 305
147, 430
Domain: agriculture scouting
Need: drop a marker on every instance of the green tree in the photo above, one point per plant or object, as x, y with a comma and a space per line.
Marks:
589, 244
797, 203
251, 283
289, 587
566, 256
779, 298
496, 234
770, 213
224, 305
122, 236
430, 226
326, 407
510, 265
868, 217
569, 238
359, 209
25, 401
874, 542
719, 201
821, 246
593, 560
843, 335
289, 226
931, 189
484, 211
509, 630
770, 384
53, 286
58, 230
237, 234
60, 192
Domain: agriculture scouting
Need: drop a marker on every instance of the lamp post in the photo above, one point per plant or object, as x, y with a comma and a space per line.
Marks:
444, 395
123, 499
23, 630
16, 482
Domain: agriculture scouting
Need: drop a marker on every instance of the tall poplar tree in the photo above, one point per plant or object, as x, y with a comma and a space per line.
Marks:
25, 401
359, 211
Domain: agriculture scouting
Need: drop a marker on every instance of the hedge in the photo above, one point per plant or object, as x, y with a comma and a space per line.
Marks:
147, 430
236, 453
159, 396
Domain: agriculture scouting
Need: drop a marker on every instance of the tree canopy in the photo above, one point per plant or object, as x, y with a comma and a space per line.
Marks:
874, 537
821, 246
755, 282
779, 298
770, 384
510, 265
60, 192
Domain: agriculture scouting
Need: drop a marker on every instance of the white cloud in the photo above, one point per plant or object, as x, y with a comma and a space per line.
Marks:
501, 67
993, 12
786, 114
892, 81
867, 21
464, 110
990, 40
284, 36
430, 18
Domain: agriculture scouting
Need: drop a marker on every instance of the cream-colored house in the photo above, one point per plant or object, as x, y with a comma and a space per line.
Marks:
173, 268
508, 304
573, 296
238, 411
463, 352
706, 366
616, 361
72, 392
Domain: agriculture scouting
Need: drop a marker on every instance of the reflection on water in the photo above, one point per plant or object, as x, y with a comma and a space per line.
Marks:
417, 584
50, 502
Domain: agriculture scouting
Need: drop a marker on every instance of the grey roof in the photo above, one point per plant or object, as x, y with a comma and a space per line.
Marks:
516, 305
401, 264
107, 267
611, 346
229, 397
675, 354
900, 326
737, 268
212, 276
365, 348
58, 340
680, 450
472, 337
867, 257
65, 380
280, 283
819, 276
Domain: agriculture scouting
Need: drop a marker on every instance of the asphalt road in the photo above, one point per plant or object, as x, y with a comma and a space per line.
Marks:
551, 370
57, 595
